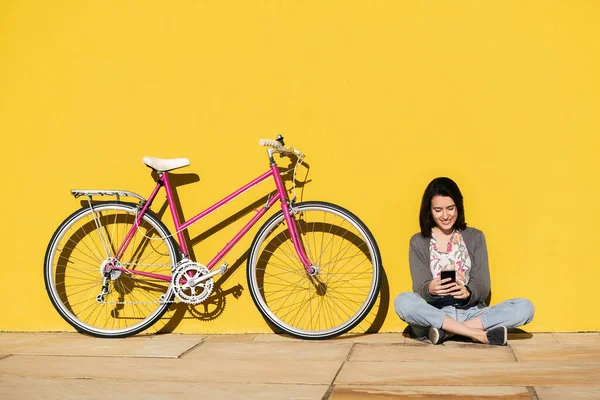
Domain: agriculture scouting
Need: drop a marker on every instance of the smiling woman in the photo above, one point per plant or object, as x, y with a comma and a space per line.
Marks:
440, 307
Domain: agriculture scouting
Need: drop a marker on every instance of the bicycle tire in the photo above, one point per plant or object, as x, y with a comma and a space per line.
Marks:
73, 270
342, 293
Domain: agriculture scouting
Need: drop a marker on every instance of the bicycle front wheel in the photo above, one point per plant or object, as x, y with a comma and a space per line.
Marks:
330, 302
76, 265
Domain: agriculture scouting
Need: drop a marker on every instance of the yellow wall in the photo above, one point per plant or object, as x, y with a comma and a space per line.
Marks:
382, 96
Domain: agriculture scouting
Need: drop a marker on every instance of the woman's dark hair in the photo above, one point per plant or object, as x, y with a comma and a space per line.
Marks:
441, 187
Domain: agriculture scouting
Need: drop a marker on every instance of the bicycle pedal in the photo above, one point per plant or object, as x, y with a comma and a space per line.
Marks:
223, 268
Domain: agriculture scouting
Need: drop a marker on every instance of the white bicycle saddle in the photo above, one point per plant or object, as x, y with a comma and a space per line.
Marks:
165, 164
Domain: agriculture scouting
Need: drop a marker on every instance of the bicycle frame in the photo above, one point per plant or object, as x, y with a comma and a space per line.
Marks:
280, 195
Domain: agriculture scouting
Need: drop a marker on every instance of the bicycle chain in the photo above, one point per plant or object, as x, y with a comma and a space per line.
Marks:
149, 265
140, 302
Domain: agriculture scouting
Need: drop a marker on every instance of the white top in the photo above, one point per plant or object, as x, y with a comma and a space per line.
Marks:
455, 257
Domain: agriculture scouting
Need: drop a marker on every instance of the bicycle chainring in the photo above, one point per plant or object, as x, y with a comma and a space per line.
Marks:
186, 284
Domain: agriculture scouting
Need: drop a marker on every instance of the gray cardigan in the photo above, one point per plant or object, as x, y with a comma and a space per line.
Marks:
479, 280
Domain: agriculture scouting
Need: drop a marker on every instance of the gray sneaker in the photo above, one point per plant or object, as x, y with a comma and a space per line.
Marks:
497, 336
436, 335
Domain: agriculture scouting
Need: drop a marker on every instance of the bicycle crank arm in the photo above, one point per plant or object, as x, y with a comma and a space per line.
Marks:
221, 270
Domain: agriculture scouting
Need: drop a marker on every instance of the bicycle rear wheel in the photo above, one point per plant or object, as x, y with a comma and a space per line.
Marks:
75, 266
334, 300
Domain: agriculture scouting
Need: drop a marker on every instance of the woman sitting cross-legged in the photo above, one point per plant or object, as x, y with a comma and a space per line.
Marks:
438, 308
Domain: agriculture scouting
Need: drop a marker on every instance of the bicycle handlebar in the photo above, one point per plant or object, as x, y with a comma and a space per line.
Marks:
279, 148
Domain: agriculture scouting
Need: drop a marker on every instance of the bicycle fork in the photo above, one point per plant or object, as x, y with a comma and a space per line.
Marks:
287, 209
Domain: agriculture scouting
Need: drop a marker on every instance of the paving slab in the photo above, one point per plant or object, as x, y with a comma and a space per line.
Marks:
412, 352
177, 336
17, 387
557, 352
578, 338
459, 373
411, 340
271, 351
344, 392
67, 344
537, 338
176, 370
246, 337
349, 337
571, 392
379, 338
272, 337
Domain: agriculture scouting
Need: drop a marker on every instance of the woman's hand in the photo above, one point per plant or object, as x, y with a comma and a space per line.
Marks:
439, 287
460, 292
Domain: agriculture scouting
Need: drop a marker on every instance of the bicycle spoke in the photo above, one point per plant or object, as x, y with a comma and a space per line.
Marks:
342, 291
74, 273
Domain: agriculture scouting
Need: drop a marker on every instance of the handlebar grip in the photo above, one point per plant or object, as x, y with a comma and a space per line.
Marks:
271, 143
279, 147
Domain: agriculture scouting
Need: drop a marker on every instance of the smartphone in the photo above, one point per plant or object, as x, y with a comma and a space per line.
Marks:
448, 274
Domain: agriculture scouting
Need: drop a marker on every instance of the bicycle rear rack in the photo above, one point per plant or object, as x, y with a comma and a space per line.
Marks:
109, 193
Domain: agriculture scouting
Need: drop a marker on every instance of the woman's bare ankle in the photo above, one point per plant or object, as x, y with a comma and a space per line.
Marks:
481, 337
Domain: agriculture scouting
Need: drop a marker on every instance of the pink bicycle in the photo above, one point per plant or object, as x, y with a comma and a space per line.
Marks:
112, 268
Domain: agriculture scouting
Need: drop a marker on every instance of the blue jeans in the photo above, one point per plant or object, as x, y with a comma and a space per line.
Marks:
420, 315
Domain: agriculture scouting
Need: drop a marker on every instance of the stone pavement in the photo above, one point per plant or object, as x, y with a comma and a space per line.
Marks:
266, 366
